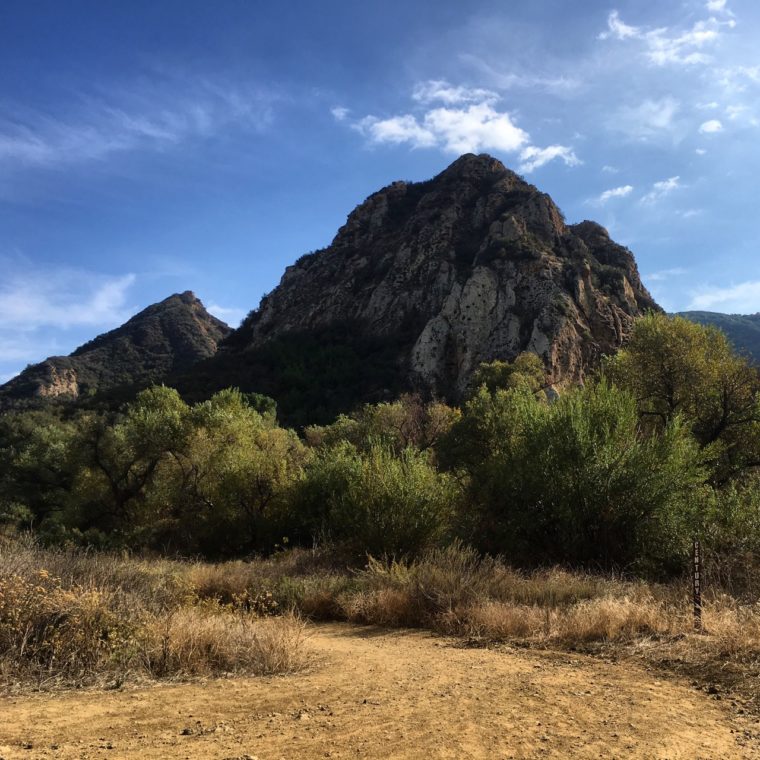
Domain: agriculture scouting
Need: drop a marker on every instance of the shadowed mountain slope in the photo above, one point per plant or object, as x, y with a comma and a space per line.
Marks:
167, 337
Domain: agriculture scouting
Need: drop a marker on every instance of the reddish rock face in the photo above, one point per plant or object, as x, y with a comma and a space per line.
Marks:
473, 265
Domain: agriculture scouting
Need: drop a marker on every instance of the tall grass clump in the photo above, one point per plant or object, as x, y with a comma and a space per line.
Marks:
75, 619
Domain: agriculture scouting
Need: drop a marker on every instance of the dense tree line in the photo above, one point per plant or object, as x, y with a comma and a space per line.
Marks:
663, 444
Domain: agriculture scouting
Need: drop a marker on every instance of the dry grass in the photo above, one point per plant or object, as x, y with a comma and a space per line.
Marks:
197, 641
75, 618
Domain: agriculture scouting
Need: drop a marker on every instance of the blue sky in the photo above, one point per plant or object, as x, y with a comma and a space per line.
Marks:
148, 148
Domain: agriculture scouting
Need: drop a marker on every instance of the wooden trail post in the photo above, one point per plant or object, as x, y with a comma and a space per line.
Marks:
697, 585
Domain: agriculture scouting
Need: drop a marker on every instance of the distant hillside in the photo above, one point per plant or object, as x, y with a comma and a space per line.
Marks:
742, 329
167, 337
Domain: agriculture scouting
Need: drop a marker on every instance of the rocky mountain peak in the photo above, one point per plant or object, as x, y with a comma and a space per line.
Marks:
473, 265
166, 337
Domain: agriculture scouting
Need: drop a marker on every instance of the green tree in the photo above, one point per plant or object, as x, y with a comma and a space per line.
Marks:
674, 367
122, 459
235, 475
376, 500
575, 481
38, 463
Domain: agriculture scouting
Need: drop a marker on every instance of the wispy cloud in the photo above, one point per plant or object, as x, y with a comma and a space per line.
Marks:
649, 119
662, 46
45, 311
661, 189
456, 130
340, 113
62, 298
438, 90
157, 118
742, 298
467, 121
665, 274
511, 80
531, 158
615, 192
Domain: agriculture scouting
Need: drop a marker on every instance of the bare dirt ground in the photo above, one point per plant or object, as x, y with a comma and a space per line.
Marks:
372, 693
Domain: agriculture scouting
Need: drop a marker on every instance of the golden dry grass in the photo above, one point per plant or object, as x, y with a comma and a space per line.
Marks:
69, 619
73, 617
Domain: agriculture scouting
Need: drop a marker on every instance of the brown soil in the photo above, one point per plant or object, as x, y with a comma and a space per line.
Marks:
373, 693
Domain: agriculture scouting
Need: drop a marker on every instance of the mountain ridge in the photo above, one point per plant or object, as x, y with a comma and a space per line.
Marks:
164, 338
423, 282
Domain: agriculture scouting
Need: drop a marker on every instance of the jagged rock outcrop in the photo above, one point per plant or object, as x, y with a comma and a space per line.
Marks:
167, 337
473, 265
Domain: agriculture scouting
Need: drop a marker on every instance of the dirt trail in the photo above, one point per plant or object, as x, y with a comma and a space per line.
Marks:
389, 694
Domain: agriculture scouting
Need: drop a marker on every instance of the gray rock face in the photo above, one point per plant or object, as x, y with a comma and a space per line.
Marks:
473, 265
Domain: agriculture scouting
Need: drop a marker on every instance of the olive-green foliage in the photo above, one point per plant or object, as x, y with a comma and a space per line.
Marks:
675, 367
377, 500
405, 422
37, 456
620, 473
730, 532
234, 476
164, 475
576, 481
526, 371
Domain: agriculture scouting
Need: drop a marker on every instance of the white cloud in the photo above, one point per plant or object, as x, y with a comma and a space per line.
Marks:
665, 274
710, 127
396, 130
479, 127
157, 119
661, 189
231, 315
63, 298
618, 30
463, 127
607, 169
532, 158
700, 151
716, 6
743, 298
340, 113
439, 90
615, 192
456, 130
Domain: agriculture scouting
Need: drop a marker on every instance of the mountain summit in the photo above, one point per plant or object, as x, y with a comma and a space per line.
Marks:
170, 336
436, 277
